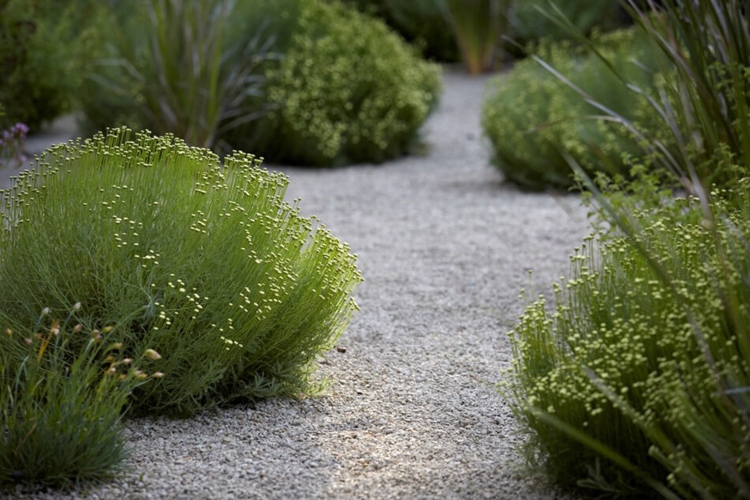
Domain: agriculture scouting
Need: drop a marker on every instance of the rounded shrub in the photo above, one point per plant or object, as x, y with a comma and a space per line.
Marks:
347, 90
635, 381
534, 119
203, 262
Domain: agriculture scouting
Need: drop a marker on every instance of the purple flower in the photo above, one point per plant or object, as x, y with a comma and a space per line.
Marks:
20, 128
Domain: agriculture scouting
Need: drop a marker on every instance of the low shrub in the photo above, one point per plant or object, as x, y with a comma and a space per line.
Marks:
203, 262
43, 43
347, 90
637, 382
534, 119
60, 407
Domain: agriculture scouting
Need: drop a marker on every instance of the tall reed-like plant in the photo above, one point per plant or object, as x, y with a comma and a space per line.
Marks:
478, 26
704, 104
174, 67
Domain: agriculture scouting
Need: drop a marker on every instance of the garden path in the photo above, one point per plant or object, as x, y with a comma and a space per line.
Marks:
412, 410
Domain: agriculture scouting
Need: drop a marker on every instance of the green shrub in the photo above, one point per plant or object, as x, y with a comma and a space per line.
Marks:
347, 90
43, 43
638, 382
528, 24
60, 408
204, 263
534, 119
169, 66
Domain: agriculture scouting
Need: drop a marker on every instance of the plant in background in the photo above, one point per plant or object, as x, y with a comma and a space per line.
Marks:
173, 70
347, 90
203, 262
534, 119
528, 23
706, 103
42, 48
11, 144
60, 406
637, 383
478, 26
421, 23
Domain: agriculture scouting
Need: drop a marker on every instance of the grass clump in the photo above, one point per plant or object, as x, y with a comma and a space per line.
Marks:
535, 120
347, 90
62, 393
202, 261
637, 381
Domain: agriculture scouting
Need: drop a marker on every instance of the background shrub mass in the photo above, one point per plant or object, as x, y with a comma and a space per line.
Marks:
42, 47
534, 119
205, 263
347, 90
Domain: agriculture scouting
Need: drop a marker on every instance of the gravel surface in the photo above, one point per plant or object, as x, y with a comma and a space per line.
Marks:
412, 410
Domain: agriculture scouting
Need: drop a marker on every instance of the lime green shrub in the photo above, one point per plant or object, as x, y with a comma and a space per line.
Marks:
203, 262
534, 119
42, 43
637, 380
347, 90
60, 406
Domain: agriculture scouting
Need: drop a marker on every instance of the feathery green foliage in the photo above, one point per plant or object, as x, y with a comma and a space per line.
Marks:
201, 261
60, 406
347, 90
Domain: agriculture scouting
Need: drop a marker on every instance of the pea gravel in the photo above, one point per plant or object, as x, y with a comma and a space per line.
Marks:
412, 410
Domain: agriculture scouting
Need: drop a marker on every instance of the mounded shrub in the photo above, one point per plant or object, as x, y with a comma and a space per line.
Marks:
636, 382
202, 261
347, 90
533, 119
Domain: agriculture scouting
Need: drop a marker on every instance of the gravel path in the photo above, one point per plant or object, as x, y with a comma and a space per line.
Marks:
412, 410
